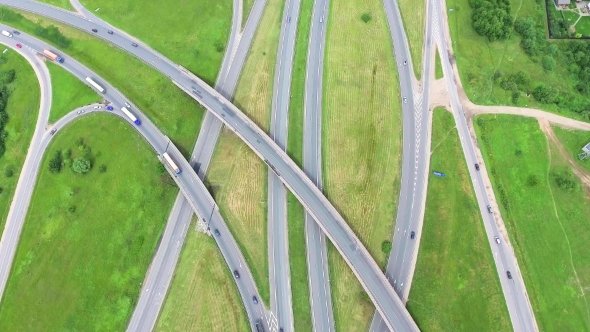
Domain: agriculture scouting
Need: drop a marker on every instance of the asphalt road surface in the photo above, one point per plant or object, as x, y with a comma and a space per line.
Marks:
28, 175
519, 307
335, 227
188, 181
278, 238
317, 256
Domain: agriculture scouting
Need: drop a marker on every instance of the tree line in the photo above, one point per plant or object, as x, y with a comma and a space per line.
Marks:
6, 77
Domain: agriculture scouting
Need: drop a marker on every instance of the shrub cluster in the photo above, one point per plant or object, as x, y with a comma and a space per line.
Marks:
6, 77
491, 18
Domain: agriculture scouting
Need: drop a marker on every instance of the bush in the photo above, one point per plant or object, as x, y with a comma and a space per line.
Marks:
386, 247
55, 163
79, 141
87, 150
81, 165
66, 153
9, 172
81, 147
102, 168
72, 209
565, 180
7, 76
548, 63
366, 17
545, 94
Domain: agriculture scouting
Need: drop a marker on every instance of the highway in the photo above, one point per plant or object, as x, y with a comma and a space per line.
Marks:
517, 301
278, 237
199, 198
334, 226
28, 176
322, 313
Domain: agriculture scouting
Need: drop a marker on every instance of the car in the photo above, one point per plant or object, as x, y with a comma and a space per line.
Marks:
477, 167
321, 19
94, 30
80, 112
195, 91
405, 62
97, 107
19, 45
509, 274
216, 231
405, 100
127, 104
109, 107
236, 274
497, 238
134, 44
288, 19
412, 235
53, 131
16, 32
489, 209
110, 32
255, 299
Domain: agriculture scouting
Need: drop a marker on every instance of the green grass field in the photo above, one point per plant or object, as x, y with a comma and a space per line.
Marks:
361, 142
455, 285
413, 14
295, 212
237, 176
583, 26
478, 59
22, 109
68, 93
59, 3
173, 111
546, 211
573, 141
202, 296
88, 239
193, 34
570, 17
438, 71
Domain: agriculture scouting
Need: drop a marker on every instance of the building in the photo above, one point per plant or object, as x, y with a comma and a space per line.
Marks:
562, 2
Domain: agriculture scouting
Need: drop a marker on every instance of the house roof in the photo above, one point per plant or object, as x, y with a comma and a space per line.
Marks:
562, 2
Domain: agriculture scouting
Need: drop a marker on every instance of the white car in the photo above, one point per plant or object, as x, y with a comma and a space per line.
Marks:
405, 100
497, 239
97, 107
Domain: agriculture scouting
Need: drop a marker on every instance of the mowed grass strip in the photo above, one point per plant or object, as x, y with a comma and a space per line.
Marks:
59, 3
295, 211
361, 142
455, 285
68, 93
88, 239
22, 109
237, 176
546, 211
203, 295
174, 112
478, 59
413, 14
574, 141
438, 71
193, 34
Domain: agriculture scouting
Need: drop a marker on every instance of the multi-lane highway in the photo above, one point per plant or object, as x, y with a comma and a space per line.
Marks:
278, 239
335, 227
515, 295
317, 252
191, 186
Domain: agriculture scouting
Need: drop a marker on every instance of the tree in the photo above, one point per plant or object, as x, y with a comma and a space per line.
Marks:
81, 165
55, 163
545, 94
548, 63
491, 19
522, 78
515, 97
366, 17
386, 247
79, 141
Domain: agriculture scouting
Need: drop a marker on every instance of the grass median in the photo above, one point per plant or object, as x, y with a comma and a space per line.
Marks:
413, 14
193, 34
22, 108
88, 239
68, 93
361, 142
65, 4
455, 285
545, 209
174, 112
203, 295
237, 176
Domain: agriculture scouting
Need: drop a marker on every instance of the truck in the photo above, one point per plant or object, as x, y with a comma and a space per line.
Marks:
7, 34
53, 56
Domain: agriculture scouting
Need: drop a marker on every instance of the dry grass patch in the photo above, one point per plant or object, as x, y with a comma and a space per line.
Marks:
203, 296
361, 140
238, 177
413, 13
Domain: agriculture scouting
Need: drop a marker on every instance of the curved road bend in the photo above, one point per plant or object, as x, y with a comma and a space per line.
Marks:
517, 301
27, 178
278, 238
189, 183
415, 161
322, 314
349, 246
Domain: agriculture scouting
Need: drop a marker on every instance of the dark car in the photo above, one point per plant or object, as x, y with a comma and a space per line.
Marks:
236, 274
405, 62
509, 274
489, 209
110, 32
477, 167
216, 232
94, 30
134, 44
412, 235
53, 131
255, 299
109, 107
16, 32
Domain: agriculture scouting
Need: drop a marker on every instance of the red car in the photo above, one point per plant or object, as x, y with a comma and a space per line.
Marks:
19, 45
